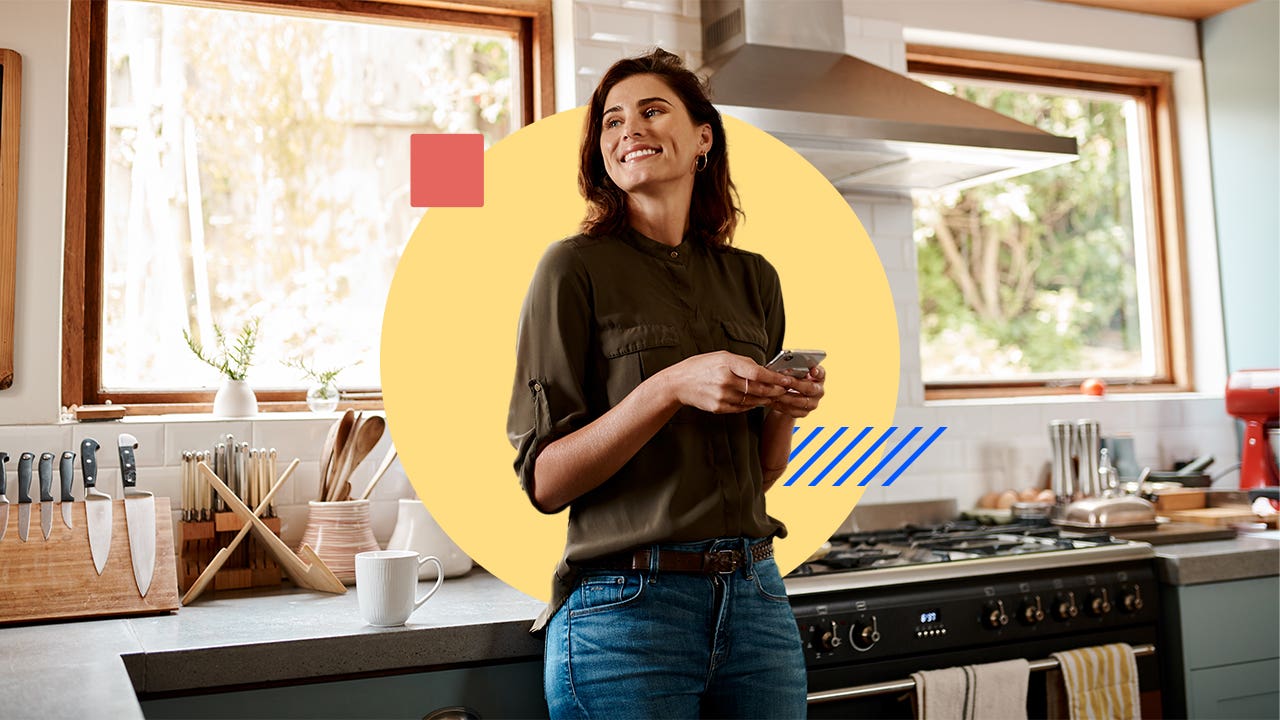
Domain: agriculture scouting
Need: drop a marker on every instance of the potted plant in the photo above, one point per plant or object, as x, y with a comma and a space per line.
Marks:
322, 395
234, 398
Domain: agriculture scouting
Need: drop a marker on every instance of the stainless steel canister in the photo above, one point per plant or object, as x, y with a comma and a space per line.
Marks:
1088, 444
1061, 441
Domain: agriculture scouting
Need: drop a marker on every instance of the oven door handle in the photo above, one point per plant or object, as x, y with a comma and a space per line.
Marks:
880, 688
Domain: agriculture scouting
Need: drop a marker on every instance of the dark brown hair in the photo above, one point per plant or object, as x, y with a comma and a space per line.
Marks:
713, 209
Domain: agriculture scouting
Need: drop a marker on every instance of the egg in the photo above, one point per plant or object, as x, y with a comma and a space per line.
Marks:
988, 500
1028, 495
1007, 499
1045, 496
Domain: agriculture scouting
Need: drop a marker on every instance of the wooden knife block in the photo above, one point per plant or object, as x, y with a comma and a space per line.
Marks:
55, 579
251, 565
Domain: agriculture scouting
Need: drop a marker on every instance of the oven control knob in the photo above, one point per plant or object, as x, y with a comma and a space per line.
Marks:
1032, 611
831, 637
864, 634
1064, 606
994, 616
1131, 598
1099, 602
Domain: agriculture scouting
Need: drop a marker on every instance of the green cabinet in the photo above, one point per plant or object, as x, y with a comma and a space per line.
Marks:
1220, 649
510, 690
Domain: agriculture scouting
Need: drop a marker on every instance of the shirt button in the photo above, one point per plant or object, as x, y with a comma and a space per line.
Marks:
674, 254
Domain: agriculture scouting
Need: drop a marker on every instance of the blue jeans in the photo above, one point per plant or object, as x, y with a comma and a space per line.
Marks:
648, 644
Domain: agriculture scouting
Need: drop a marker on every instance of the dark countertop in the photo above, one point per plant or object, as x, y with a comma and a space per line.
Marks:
86, 669
1247, 556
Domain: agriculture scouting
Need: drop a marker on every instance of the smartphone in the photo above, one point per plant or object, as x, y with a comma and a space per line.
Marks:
796, 363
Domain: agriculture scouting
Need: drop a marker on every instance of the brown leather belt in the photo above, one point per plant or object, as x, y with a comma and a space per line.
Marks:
711, 563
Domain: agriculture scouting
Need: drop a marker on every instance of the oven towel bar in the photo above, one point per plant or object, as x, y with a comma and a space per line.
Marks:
881, 688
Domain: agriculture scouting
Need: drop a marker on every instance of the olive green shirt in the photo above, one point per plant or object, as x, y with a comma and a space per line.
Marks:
602, 315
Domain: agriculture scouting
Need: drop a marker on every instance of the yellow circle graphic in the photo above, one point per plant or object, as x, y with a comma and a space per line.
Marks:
448, 337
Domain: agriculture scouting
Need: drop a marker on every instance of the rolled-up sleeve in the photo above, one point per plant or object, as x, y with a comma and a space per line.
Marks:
548, 395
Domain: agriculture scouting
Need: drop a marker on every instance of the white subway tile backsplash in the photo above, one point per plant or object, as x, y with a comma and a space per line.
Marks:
302, 439
301, 487
593, 58
675, 33
163, 482
182, 436
895, 219
618, 25
35, 439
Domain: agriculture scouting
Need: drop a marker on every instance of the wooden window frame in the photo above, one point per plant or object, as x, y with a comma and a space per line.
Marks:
529, 20
1167, 261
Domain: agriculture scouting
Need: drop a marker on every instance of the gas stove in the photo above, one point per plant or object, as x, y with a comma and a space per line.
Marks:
881, 605
958, 549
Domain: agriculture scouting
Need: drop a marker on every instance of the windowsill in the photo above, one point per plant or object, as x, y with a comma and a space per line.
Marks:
300, 416
1071, 399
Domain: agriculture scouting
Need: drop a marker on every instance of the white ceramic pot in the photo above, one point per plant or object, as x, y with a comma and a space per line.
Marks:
235, 399
416, 530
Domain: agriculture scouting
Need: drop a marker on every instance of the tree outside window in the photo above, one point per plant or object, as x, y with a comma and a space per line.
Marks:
1042, 277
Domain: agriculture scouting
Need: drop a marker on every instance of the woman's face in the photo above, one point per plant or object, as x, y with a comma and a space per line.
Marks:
647, 138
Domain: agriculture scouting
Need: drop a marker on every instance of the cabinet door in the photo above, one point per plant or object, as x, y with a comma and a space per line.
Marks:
1247, 690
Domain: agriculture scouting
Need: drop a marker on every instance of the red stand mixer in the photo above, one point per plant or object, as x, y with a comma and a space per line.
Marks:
1254, 397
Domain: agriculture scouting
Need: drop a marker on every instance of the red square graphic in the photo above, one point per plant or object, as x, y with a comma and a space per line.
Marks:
446, 170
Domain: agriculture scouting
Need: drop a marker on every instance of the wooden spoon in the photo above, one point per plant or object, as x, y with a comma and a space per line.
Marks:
332, 462
377, 475
362, 443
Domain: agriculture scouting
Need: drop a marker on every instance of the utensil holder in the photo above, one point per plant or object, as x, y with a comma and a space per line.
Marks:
250, 566
337, 531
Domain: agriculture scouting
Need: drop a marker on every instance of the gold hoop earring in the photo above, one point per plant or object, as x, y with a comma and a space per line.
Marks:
701, 163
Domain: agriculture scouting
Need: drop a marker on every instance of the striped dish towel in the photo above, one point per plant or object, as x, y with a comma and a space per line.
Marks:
994, 691
1095, 683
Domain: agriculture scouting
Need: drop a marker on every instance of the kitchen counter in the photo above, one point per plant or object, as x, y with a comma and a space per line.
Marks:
1247, 556
243, 638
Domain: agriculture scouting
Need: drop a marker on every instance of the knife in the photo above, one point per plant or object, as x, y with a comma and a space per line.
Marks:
4, 499
66, 472
24, 494
97, 505
139, 516
46, 494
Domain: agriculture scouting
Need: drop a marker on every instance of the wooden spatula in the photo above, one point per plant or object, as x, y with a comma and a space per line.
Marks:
332, 460
362, 443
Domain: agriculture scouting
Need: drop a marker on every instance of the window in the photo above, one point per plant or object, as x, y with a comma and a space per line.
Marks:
1034, 283
255, 164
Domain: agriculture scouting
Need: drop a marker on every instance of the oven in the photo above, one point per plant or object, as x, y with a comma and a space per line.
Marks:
882, 606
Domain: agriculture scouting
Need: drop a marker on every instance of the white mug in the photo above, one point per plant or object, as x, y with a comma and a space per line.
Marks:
385, 584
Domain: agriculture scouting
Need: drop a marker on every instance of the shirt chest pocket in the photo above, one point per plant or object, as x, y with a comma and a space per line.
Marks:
745, 339
634, 354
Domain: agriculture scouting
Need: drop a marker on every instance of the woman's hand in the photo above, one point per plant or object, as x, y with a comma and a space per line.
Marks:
804, 396
721, 382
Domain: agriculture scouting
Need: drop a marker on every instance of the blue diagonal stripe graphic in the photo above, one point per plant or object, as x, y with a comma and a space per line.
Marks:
858, 463
839, 457
892, 453
835, 436
804, 442
912, 458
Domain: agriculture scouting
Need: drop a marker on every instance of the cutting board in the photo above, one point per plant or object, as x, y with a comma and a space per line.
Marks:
1215, 515
1176, 532
55, 579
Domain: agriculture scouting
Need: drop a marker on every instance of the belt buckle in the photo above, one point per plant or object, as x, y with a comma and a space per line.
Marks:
723, 562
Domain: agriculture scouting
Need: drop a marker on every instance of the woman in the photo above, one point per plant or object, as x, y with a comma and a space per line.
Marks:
641, 403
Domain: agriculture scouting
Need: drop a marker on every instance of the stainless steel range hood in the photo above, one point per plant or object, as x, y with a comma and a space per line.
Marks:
781, 66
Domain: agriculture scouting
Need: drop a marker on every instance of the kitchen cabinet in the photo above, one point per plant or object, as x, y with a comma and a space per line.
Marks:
1220, 640
492, 691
